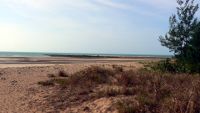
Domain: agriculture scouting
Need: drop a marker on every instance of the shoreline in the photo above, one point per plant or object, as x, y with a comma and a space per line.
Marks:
77, 55
72, 60
107, 56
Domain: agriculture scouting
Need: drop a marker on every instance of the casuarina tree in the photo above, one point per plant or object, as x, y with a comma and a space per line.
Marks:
183, 32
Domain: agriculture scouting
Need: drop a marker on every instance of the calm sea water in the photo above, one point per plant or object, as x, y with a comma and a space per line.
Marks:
21, 54
34, 54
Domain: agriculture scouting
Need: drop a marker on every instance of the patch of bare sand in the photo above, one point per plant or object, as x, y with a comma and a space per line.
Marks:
19, 88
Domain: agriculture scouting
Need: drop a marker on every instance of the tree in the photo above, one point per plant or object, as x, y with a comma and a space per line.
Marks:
183, 37
194, 50
182, 26
194, 46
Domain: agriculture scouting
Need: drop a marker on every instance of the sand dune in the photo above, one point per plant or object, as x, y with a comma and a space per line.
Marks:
19, 88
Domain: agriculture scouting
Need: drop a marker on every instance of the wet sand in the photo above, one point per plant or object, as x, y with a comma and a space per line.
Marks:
69, 60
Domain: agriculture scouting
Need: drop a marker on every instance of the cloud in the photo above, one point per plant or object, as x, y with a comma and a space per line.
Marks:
50, 4
161, 4
113, 4
72, 13
37, 4
48, 7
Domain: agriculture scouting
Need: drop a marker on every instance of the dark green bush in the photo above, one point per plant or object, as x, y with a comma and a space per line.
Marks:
175, 66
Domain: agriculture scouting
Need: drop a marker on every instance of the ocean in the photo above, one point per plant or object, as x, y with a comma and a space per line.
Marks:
22, 54
43, 54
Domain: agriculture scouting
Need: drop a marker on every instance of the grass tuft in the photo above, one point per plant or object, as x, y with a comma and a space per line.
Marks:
62, 74
126, 107
46, 83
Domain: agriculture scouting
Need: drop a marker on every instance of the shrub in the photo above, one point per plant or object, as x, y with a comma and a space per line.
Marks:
118, 69
126, 107
51, 75
110, 91
46, 83
151, 91
175, 66
61, 82
165, 66
62, 74
91, 76
128, 78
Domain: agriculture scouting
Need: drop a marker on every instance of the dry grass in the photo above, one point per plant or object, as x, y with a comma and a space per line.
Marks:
62, 74
88, 78
127, 106
51, 75
46, 83
152, 92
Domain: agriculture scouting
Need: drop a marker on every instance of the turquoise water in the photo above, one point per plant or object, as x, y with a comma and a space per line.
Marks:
40, 54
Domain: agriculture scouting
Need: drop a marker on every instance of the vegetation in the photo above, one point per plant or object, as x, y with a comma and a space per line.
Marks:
126, 107
46, 83
183, 37
136, 91
62, 74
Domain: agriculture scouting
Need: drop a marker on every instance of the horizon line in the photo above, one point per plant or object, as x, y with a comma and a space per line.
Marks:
85, 53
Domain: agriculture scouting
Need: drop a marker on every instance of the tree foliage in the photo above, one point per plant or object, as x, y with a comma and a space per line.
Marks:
181, 27
183, 37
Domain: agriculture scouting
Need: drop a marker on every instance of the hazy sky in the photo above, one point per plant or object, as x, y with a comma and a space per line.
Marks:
86, 26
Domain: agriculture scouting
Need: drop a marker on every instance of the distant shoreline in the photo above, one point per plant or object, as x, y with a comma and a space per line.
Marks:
108, 56
76, 55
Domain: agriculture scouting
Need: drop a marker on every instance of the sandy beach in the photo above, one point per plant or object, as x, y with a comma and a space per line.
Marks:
91, 85
19, 77
99, 56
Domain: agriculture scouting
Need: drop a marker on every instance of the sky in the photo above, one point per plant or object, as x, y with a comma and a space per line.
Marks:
85, 26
